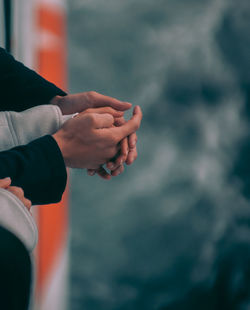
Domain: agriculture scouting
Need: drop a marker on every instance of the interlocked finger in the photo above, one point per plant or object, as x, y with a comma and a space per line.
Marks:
103, 173
129, 127
117, 171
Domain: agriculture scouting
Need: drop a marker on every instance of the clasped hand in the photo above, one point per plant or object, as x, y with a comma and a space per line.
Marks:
99, 134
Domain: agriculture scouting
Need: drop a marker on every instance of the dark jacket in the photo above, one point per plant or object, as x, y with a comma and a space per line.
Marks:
37, 167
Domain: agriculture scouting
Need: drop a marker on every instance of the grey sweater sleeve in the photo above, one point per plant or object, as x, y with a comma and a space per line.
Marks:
23, 127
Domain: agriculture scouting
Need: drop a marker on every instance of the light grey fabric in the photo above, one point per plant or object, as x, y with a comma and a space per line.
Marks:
21, 128
15, 217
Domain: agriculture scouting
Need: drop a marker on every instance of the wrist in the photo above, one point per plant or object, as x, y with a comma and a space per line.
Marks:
56, 100
65, 104
62, 146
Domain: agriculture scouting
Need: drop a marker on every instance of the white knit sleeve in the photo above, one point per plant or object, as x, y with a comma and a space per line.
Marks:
15, 217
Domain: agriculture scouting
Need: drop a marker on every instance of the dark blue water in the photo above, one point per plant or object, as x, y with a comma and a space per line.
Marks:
173, 231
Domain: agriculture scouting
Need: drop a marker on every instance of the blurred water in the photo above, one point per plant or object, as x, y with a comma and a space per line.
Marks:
173, 231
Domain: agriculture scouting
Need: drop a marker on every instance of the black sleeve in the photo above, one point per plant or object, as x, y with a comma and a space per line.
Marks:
22, 88
38, 168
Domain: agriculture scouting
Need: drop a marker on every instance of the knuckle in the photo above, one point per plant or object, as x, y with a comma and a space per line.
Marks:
28, 203
17, 190
90, 117
111, 152
92, 94
110, 111
137, 126
123, 152
113, 140
134, 137
20, 191
91, 97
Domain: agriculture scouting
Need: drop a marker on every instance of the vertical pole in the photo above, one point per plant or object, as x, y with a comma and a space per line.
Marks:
52, 249
2, 25
7, 26
39, 41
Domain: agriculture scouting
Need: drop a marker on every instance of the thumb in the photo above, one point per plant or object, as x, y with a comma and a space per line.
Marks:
105, 110
104, 101
130, 126
4, 183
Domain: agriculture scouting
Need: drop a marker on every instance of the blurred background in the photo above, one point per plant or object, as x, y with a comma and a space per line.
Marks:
172, 232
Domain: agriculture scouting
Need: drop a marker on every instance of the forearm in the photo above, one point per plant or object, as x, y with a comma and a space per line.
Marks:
38, 168
20, 128
22, 88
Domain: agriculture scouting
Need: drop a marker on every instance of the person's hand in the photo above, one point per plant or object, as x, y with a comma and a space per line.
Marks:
89, 140
80, 102
127, 153
17, 191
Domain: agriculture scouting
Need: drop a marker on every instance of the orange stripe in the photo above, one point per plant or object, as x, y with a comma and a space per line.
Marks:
52, 19
52, 219
52, 59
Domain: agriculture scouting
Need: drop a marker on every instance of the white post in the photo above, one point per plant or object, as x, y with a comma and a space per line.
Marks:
2, 34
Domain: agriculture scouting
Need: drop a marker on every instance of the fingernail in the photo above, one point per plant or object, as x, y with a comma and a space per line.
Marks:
7, 179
